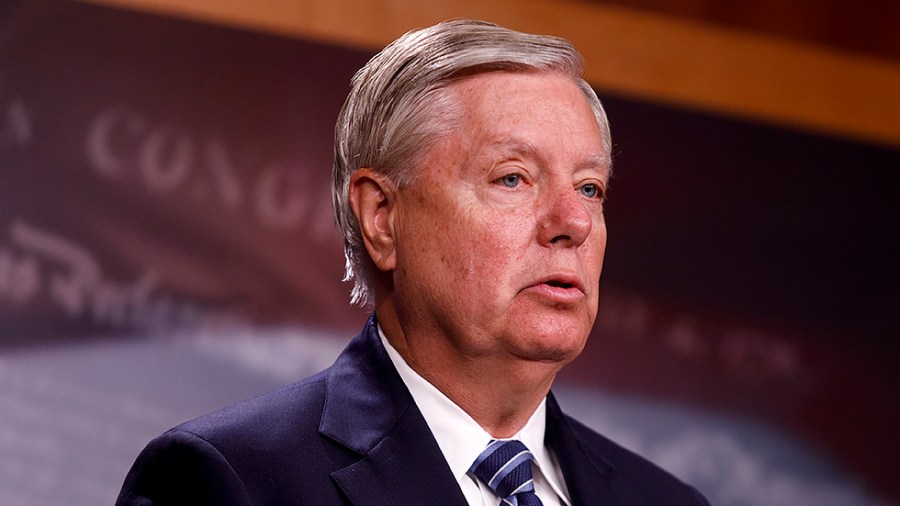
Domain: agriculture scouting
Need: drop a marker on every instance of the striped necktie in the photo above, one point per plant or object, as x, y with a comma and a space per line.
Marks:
505, 466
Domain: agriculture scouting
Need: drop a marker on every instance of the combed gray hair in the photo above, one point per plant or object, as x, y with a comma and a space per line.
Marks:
397, 108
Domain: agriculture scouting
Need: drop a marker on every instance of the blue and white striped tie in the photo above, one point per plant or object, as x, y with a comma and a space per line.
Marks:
505, 466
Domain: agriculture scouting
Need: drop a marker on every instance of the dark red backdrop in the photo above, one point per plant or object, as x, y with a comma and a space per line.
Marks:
158, 174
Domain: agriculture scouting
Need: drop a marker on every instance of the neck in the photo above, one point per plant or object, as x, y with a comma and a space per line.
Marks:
501, 410
499, 392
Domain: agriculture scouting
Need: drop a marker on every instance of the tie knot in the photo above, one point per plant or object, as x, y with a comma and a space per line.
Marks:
505, 467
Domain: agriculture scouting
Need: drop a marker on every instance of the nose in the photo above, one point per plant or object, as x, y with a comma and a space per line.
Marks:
566, 220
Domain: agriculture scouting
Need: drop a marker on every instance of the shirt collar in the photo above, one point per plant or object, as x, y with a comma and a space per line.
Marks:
458, 435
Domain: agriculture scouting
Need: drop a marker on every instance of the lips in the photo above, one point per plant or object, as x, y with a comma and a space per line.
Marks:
562, 280
559, 284
562, 286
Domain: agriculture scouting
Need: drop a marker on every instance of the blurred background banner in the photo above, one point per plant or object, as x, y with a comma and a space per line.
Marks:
167, 246
159, 175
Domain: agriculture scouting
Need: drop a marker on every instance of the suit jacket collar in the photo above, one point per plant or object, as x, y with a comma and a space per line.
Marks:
586, 471
369, 410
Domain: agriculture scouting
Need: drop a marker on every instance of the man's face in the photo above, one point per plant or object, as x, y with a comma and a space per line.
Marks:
500, 239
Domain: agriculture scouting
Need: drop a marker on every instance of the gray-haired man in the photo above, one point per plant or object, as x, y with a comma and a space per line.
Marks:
471, 165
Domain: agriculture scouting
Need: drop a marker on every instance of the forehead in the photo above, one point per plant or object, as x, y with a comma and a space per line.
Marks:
528, 114
513, 86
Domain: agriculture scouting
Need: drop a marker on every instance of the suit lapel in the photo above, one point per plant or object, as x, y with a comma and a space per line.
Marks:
369, 410
586, 472
406, 467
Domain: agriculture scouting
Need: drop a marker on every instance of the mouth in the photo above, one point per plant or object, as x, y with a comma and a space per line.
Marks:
560, 286
564, 280
559, 283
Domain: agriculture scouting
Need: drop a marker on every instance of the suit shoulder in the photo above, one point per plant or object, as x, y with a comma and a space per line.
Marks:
179, 467
290, 408
259, 451
635, 478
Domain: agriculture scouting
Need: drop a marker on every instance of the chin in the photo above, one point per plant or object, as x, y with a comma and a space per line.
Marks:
557, 346
548, 336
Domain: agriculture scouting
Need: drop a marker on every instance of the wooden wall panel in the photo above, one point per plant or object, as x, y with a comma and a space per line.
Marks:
630, 52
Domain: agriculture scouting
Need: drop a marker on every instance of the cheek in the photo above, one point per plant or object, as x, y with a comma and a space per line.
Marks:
469, 243
481, 251
501, 239
595, 255
601, 246
598, 248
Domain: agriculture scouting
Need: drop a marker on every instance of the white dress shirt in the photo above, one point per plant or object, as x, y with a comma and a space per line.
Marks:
461, 439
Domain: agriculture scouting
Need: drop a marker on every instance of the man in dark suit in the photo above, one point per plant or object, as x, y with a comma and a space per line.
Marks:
471, 164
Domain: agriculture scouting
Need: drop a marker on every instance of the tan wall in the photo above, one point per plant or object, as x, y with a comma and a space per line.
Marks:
629, 52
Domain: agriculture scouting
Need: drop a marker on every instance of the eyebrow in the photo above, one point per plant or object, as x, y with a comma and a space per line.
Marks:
529, 150
526, 149
602, 161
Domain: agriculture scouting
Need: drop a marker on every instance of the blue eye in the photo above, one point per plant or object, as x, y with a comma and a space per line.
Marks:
589, 190
510, 180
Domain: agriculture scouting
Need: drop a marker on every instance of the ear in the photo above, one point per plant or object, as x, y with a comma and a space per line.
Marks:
373, 200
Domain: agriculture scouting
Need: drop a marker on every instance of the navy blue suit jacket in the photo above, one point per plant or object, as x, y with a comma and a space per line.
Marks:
353, 435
